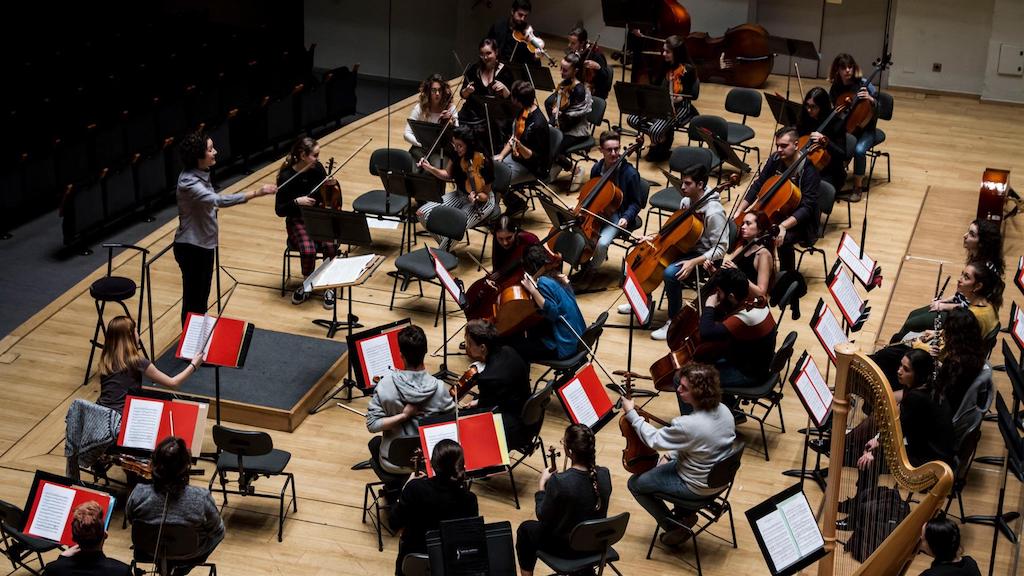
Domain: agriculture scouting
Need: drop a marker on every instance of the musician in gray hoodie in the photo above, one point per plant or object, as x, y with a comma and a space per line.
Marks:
403, 397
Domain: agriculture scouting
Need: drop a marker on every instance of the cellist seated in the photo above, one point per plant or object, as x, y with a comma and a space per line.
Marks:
556, 336
736, 335
802, 224
694, 442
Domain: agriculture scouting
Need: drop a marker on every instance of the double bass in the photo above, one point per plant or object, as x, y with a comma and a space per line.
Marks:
646, 44
598, 200
740, 57
678, 236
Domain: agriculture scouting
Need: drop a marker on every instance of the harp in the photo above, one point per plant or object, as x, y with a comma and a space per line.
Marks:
860, 383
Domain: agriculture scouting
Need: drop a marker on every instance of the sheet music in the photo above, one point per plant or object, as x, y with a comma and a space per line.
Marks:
636, 299
580, 403
849, 253
434, 434
143, 423
377, 358
815, 392
52, 513
780, 544
829, 331
1018, 325
197, 335
846, 296
802, 525
449, 283
381, 224
338, 271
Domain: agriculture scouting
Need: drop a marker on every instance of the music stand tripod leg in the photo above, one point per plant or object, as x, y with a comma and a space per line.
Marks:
333, 325
347, 383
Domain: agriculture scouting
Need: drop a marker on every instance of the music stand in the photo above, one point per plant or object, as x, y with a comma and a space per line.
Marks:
786, 112
722, 149
624, 14
642, 100
560, 217
419, 187
791, 47
539, 76
431, 132
495, 110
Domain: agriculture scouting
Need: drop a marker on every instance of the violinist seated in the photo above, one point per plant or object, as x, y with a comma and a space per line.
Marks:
802, 224
567, 108
473, 174
694, 442
579, 493
594, 70
502, 379
681, 82
435, 105
485, 77
303, 161
555, 337
527, 152
503, 33
627, 179
755, 255
737, 332
817, 107
712, 244
846, 78
402, 398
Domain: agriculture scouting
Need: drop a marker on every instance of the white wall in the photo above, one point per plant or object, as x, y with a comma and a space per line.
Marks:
1007, 27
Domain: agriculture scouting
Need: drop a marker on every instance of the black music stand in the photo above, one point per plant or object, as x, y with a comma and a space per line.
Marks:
792, 47
625, 14
535, 74
786, 112
419, 187
495, 110
818, 473
642, 100
431, 132
340, 227
722, 149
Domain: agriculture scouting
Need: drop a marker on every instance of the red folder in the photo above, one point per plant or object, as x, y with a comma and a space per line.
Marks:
82, 495
229, 342
189, 422
481, 436
595, 392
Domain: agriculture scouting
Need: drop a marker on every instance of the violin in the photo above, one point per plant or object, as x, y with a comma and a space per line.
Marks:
139, 466
740, 57
519, 128
598, 200
417, 462
534, 44
678, 236
586, 75
861, 110
562, 93
475, 183
466, 382
648, 65
553, 455
637, 457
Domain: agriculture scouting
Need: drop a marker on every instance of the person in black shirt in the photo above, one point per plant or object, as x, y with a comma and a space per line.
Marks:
486, 77
527, 152
682, 85
86, 557
511, 50
594, 65
802, 224
565, 499
942, 540
817, 107
425, 502
503, 380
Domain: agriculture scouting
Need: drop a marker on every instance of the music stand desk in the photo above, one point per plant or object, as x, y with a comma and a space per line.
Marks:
539, 76
786, 112
429, 132
722, 149
643, 100
793, 47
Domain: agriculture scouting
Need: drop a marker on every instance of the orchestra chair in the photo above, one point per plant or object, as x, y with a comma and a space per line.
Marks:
175, 541
745, 102
532, 418
593, 538
251, 454
884, 111
622, 240
291, 252
580, 152
591, 337
570, 244
18, 547
400, 450
851, 144
762, 399
786, 300
114, 289
964, 459
381, 203
826, 201
666, 201
502, 177
531, 188
416, 564
718, 127
991, 338
709, 509
444, 221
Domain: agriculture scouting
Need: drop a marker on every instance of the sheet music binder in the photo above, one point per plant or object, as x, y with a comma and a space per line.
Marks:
355, 344
823, 315
786, 532
82, 495
805, 370
182, 418
598, 410
481, 435
229, 342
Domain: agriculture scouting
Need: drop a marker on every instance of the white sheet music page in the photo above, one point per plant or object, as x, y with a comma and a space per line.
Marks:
339, 271
52, 513
197, 336
846, 296
636, 297
577, 399
802, 525
377, 358
142, 423
780, 544
449, 283
849, 253
434, 434
1018, 325
820, 389
829, 331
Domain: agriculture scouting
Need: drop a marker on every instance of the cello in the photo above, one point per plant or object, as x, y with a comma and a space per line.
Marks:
678, 236
861, 110
740, 57
501, 299
779, 196
599, 198
637, 457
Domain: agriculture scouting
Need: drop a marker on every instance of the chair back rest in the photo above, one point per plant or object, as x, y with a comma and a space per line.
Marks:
394, 159
416, 564
696, 89
743, 101
724, 471
596, 536
502, 178
401, 449
593, 332
11, 516
447, 221
734, 233
991, 338
554, 143
977, 400
885, 105
685, 156
716, 124
596, 114
242, 442
965, 453
783, 354
535, 407
570, 245
177, 541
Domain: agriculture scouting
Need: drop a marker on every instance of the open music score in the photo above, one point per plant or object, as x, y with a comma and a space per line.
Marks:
50, 503
1018, 279
584, 398
842, 289
146, 421
225, 341
1017, 324
638, 301
482, 437
449, 283
862, 268
787, 532
339, 271
377, 352
812, 389
827, 328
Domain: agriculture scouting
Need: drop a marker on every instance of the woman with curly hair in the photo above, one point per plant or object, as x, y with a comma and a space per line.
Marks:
435, 105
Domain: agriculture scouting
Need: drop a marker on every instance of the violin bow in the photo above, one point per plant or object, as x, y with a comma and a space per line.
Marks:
478, 263
455, 112
338, 169
296, 175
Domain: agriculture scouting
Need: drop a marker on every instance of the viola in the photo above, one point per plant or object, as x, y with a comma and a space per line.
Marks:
139, 466
648, 64
466, 382
473, 168
553, 455
417, 462
637, 457
599, 198
562, 94
519, 129
534, 44
740, 57
586, 75
678, 236
861, 110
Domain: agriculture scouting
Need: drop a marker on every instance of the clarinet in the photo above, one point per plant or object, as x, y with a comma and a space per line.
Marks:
937, 339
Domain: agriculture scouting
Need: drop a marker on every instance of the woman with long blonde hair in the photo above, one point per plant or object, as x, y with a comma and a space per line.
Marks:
122, 365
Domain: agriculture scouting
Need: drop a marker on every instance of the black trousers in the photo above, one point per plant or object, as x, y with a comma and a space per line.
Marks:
196, 265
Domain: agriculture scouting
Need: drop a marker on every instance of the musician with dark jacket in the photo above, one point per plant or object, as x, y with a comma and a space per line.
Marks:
528, 150
802, 224
510, 49
503, 378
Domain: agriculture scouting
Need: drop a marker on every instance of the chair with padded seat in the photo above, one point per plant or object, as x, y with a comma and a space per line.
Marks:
581, 151
20, 548
381, 203
591, 544
165, 546
591, 338
709, 509
746, 102
114, 289
532, 419
719, 128
251, 454
444, 221
666, 201
400, 452
416, 564
826, 201
528, 190
884, 111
